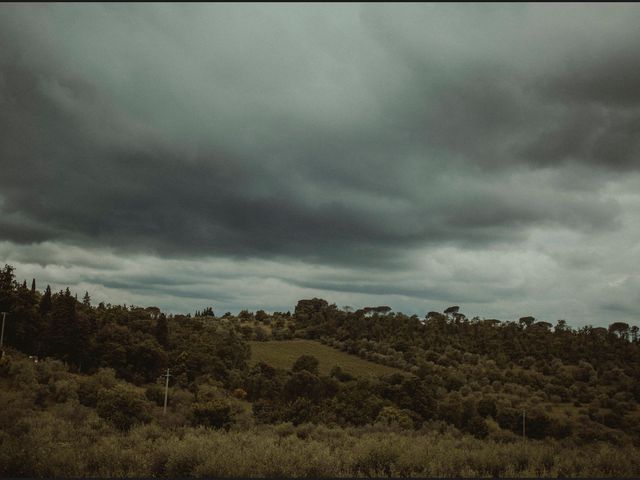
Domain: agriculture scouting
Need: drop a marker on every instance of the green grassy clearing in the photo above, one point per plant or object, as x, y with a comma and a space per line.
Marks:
282, 354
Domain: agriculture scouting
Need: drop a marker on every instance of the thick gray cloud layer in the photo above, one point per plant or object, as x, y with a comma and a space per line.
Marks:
358, 152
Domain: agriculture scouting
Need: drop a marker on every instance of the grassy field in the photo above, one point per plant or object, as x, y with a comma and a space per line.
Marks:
282, 354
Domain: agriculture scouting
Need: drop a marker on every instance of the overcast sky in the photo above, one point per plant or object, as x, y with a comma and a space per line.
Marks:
247, 156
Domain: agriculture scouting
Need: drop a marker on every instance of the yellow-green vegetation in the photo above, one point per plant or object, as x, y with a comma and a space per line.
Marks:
282, 354
48, 428
61, 445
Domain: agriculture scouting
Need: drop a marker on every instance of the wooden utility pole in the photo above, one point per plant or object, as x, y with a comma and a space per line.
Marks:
4, 315
524, 415
166, 392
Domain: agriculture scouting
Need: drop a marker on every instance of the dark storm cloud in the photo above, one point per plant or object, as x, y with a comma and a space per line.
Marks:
140, 194
97, 174
605, 138
359, 135
609, 79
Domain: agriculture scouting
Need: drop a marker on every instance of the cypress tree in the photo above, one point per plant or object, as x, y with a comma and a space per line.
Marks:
45, 302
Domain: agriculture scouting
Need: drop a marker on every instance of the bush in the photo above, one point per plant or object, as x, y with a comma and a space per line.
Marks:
340, 375
306, 362
90, 387
122, 406
5, 366
477, 427
213, 414
392, 416
64, 391
155, 393
487, 407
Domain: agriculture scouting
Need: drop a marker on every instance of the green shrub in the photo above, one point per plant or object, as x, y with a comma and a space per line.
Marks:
213, 414
122, 406
393, 416
90, 387
306, 362
64, 391
155, 393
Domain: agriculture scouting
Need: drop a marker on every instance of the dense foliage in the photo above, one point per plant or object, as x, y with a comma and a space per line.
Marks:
99, 371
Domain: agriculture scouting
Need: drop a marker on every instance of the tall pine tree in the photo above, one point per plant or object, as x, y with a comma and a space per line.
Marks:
86, 300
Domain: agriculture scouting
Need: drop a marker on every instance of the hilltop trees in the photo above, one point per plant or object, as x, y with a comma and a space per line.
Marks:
133, 341
314, 312
620, 329
207, 312
526, 322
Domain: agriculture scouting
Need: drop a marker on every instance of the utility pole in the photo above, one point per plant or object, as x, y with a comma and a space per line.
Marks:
4, 315
166, 392
524, 415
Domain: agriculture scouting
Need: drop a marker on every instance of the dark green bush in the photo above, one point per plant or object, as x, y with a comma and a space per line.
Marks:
213, 414
122, 406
